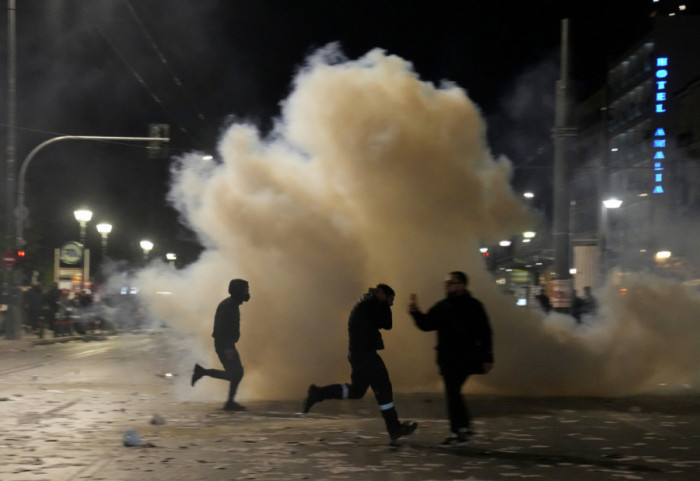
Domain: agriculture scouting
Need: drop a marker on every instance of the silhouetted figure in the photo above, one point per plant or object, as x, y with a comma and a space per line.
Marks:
32, 305
543, 300
589, 302
227, 331
577, 306
464, 347
370, 314
51, 305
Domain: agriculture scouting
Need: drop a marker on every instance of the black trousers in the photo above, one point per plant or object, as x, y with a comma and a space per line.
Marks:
369, 370
233, 368
454, 378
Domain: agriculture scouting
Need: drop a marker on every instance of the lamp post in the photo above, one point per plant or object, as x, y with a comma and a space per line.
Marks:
83, 216
611, 203
147, 246
171, 257
104, 229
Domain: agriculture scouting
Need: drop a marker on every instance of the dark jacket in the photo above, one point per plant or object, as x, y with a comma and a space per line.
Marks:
366, 318
463, 332
227, 323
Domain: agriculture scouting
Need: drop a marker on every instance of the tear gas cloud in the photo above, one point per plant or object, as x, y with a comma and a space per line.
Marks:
372, 175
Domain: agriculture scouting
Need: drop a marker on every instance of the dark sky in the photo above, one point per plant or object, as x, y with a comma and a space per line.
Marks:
111, 67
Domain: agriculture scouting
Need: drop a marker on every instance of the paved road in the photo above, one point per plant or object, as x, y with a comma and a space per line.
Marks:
66, 406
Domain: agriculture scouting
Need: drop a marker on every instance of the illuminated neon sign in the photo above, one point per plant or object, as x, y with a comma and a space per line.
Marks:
659, 141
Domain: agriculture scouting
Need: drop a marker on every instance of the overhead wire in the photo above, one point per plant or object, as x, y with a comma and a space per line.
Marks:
140, 79
161, 56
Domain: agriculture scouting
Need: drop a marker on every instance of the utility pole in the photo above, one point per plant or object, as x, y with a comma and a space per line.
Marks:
10, 129
562, 134
11, 287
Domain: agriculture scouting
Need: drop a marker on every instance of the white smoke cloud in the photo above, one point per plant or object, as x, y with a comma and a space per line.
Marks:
374, 176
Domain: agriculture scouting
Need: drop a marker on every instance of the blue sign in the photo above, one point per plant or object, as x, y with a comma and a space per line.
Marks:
659, 141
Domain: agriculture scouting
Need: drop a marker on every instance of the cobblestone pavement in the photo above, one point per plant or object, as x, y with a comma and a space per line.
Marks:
65, 414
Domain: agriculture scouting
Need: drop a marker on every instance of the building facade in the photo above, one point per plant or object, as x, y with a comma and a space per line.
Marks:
639, 142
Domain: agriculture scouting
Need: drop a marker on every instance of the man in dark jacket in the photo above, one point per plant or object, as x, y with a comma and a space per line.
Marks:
227, 331
371, 313
464, 346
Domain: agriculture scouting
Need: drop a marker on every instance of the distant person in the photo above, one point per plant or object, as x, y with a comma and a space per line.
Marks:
32, 304
52, 298
464, 347
370, 314
227, 331
589, 302
577, 306
543, 300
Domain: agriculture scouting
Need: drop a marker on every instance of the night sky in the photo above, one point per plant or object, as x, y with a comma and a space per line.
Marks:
111, 67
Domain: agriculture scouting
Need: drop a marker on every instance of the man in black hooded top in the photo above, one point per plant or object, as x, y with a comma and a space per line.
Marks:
227, 331
370, 314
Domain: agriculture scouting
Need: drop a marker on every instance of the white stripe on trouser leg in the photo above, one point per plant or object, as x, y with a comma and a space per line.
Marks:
346, 390
384, 407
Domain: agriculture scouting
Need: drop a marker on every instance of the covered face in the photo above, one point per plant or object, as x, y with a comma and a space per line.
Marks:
238, 288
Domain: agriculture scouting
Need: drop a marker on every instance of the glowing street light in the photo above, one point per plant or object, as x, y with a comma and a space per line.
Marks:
612, 203
171, 257
147, 247
104, 229
83, 216
528, 195
663, 255
504, 243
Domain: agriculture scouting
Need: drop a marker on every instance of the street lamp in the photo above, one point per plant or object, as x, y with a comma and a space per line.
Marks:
104, 230
147, 246
611, 203
171, 257
83, 216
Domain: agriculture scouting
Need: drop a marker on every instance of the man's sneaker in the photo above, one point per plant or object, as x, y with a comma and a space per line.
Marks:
458, 439
233, 406
197, 374
313, 396
404, 429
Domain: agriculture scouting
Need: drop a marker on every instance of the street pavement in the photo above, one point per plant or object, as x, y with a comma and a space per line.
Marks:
67, 405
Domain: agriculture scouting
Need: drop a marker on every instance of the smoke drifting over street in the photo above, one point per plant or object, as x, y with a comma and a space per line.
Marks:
372, 175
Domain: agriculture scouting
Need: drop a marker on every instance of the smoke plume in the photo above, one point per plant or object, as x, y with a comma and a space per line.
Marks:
372, 175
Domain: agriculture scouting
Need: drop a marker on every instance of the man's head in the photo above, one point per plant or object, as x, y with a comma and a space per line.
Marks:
238, 288
455, 283
384, 293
